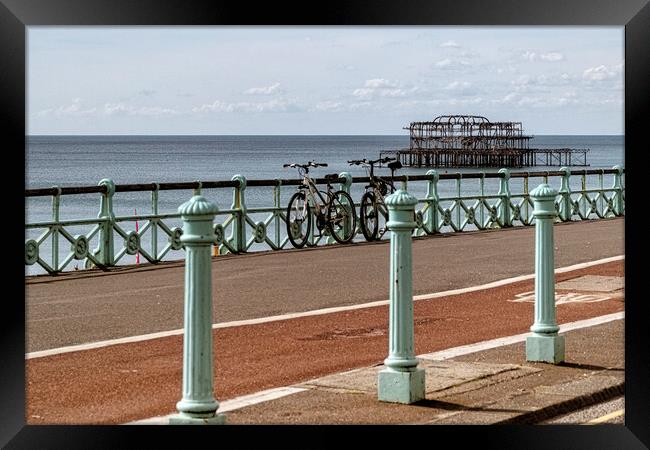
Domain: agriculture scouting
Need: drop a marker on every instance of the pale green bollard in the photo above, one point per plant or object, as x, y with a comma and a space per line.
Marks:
401, 381
545, 345
198, 405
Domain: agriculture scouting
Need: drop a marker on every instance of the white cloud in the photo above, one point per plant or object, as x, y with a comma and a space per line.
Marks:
360, 106
602, 72
117, 109
468, 54
329, 106
110, 109
516, 99
449, 63
267, 90
381, 87
377, 83
456, 85
146, 92
551, 56
461, 88
529, 56
450, 44
74, 109
276, 105
542, 82
548, 56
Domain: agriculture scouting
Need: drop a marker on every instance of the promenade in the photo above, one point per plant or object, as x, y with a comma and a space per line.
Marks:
272, 330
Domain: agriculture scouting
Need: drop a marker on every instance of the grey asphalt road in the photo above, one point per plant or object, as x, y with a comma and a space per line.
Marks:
82, 307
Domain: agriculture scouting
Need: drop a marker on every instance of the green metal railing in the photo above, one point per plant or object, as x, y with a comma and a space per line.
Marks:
246, 232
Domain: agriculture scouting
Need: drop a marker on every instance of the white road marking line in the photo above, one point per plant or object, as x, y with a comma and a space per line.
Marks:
230, 405
237, 323
271, 394
606, 417
486, 345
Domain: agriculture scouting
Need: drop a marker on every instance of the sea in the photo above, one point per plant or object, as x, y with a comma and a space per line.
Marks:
85, 160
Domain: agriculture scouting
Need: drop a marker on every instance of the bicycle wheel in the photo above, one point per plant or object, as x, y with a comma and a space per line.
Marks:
382, 219
341, 217
368, 215
298, 219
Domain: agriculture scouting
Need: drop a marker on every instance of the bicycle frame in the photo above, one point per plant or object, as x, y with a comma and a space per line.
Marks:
314, 194
374, 186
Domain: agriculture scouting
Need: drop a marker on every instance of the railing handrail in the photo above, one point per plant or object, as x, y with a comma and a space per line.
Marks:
143, 187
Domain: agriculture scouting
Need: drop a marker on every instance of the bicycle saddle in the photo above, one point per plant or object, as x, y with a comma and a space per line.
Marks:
332, 176
394, 165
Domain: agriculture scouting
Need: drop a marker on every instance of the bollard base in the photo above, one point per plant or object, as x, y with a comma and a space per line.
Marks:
548, 349
400, 387
182, 419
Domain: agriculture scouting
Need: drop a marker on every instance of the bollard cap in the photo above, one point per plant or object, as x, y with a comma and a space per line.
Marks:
543, 192
400, 198
198, 206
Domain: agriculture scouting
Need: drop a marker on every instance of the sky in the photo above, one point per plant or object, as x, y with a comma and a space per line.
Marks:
231, 80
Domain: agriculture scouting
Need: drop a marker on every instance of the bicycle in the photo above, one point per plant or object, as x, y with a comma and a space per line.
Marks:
372, 209
334, 210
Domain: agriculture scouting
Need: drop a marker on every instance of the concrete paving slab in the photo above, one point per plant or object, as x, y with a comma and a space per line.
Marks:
440, 375
582, 386
591, 283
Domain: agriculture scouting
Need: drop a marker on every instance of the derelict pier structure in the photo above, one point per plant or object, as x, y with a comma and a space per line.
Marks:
474, 141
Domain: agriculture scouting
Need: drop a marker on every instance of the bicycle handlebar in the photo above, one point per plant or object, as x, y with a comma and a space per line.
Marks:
356, 162
304, 166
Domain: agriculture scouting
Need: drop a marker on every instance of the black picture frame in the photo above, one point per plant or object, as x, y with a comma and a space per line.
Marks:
634, 15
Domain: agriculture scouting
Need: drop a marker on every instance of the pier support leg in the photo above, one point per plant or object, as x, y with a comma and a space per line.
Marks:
198, 405
401, 381
545, 345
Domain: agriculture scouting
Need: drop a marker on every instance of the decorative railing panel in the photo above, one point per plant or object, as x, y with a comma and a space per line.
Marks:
252, 213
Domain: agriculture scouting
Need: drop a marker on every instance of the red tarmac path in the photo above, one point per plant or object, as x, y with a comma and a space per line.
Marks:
88, 306
127, 382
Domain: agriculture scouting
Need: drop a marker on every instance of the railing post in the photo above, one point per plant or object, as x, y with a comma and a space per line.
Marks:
277, 190
401, 381
431, 219
545, 344
504, 192
56, 205
238, 234
619, 204
565, 192
105, 253
154, 228
198, 405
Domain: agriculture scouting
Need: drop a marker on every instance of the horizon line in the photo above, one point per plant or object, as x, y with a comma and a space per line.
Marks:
313, 134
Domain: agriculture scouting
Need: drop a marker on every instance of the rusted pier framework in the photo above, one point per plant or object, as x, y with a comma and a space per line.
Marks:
474, 141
